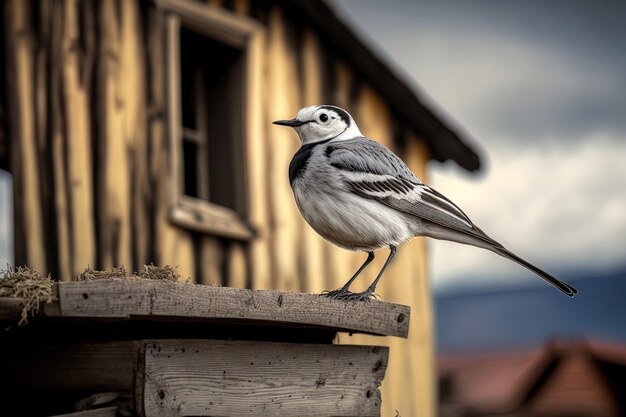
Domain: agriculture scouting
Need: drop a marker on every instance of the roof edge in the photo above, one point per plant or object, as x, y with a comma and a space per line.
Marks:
443, 142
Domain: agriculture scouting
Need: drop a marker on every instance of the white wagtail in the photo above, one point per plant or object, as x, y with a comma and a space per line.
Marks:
359, 195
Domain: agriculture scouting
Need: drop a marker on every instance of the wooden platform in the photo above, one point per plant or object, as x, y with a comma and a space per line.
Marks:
157, 348
137, 299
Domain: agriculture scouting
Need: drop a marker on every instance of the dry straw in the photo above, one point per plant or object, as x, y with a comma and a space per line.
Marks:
28, 284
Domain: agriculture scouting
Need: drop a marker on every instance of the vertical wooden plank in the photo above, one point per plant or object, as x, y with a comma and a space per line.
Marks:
257, 148
211, 261
237, 265
134, 119
174, 246
78, 130
160, 173
50, 107
113, 150
282, 144
24, 167
313, 246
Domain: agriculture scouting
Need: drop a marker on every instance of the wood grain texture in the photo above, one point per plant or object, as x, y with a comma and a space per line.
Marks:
24, 162
115, 243
134, 297
257, 148
283, 143
77, 120
222, 378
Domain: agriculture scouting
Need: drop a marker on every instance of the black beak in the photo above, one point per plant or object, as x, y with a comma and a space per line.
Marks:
290, 123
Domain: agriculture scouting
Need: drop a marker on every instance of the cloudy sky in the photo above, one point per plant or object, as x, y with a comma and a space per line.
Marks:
540, 88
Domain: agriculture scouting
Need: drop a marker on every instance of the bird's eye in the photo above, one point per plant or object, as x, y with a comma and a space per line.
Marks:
323, 117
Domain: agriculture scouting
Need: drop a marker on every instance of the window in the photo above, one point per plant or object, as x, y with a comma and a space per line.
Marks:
208, 60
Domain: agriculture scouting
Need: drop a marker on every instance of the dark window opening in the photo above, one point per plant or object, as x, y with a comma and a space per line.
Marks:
212, 120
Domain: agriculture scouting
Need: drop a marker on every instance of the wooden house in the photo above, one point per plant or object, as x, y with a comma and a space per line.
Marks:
562, 378
140, 132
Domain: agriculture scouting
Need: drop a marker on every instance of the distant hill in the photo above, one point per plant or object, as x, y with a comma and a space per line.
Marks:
531, 316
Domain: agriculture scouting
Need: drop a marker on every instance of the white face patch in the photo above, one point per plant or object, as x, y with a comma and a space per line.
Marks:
325, 122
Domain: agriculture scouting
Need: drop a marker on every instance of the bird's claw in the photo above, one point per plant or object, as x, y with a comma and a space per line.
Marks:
348, 296
338, 294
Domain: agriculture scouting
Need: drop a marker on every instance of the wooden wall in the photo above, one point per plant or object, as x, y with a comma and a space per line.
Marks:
86, 107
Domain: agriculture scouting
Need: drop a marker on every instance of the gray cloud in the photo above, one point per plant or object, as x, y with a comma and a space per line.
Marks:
528, 70
546, 206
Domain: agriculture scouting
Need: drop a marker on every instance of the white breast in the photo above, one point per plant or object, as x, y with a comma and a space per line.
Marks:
344, 218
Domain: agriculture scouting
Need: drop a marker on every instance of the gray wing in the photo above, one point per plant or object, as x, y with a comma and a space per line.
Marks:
372, 171
362, 155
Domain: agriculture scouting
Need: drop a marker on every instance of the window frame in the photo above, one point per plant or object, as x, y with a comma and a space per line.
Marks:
236, 31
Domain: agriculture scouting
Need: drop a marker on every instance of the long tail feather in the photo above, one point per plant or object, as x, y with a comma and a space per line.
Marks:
560, 285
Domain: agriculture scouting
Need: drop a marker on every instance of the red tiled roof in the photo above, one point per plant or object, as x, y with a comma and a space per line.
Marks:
502, 381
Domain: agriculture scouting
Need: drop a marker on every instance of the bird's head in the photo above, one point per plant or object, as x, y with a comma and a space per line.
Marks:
318, 123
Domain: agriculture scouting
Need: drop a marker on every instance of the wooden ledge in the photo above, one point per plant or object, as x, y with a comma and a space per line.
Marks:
140, 299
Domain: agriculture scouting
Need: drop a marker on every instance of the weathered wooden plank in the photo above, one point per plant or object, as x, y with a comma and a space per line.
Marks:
98, 367
53, 139
283, 143
24, 164
77, 120
134, 297
132, 92
257, 149
115, 244
237, 265
211, 261
171, 246
226, 378
312, 245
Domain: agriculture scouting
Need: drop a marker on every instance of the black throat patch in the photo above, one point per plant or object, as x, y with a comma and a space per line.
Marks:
299, 161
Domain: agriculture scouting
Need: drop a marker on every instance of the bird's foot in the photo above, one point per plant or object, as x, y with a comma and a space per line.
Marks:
366, 295
344, 294
338, 294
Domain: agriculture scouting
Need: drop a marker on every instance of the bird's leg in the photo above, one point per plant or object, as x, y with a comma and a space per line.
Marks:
365, 295
343, 291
